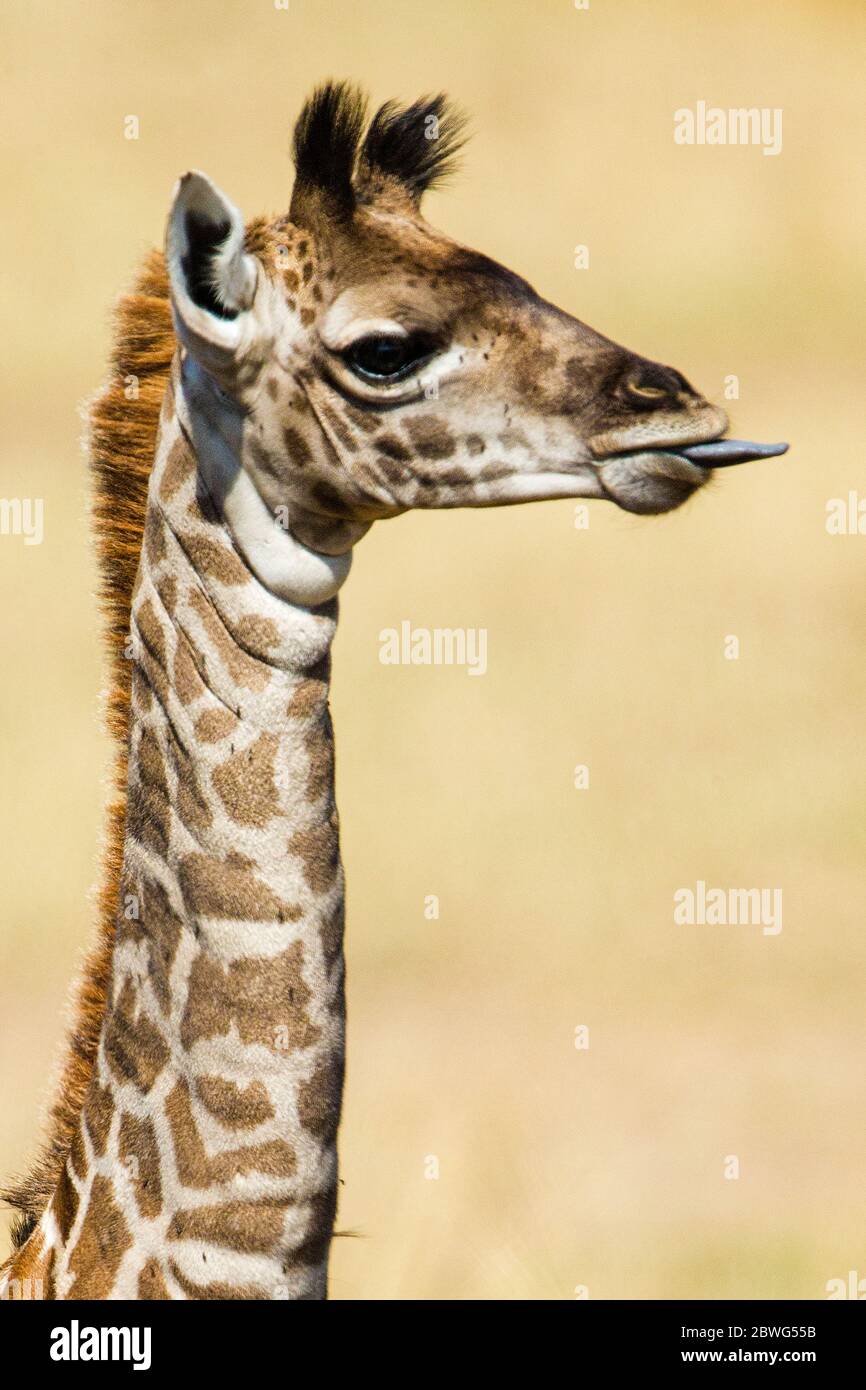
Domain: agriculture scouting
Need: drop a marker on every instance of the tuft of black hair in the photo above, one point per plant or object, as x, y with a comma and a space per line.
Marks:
327, 135
23, 1225
415, 144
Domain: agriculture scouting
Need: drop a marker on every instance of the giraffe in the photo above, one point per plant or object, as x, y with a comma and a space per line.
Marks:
276, 388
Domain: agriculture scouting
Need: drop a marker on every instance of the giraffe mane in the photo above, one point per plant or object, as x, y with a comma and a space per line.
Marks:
123, 425
123, 420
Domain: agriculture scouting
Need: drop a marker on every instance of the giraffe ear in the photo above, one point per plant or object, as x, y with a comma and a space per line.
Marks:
213, 280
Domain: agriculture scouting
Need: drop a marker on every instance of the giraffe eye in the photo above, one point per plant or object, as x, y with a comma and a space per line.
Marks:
384, 357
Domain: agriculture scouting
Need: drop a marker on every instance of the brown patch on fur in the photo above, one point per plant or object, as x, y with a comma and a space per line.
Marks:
154, 539
139, 1152
151, 765
296, 446
256, 634
197, 1169
319, 741
395, 472
329, 499
179, 466
77, 1157
364, 419
211, 558
431, 437
151, 631
187, 682
234, 1106
266, 998
191, 804
134, 1049
331, 929
151, 1283
142, 695
102, 1242
98, 1113
319, 1100
192, 807
307, 698
152, 650
249, 1227
318, 848
64, 1204
229, 889
166, 587
49, 1292
215, 724
245, 783
271, 464
149, 805
392, 447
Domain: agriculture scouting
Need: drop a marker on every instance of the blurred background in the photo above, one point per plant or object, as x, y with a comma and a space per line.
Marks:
560, 1169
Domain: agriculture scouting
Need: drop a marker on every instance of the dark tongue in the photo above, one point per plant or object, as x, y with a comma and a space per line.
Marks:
721, 453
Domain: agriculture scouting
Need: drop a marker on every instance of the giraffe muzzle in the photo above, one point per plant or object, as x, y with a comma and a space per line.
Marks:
655, 479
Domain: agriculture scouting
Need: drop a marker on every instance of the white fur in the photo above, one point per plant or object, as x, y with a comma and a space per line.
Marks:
284, 565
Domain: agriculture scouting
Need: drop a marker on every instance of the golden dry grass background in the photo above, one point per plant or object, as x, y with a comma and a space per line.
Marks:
558, 1167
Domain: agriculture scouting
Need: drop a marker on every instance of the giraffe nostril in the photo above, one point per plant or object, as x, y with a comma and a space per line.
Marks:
645, 392
647, 385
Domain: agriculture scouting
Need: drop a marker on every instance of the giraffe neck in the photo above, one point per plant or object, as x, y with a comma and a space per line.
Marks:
207, 1145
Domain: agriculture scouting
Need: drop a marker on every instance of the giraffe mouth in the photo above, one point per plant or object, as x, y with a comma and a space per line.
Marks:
656, 479
718, 453
724, 453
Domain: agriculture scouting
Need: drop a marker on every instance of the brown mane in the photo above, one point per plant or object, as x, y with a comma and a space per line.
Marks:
123, 429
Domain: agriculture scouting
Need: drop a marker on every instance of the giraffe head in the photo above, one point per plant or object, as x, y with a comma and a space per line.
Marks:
374, 365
